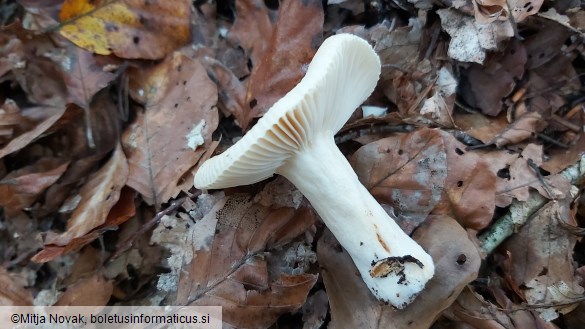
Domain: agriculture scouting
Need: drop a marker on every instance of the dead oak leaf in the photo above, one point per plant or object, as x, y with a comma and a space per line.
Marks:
163, 143
127, 28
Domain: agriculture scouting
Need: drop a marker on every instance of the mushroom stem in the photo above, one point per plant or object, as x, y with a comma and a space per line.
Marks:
393, 266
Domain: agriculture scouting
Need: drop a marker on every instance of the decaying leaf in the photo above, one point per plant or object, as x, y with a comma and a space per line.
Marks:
456, 264
238, 256
471, 40
127, 28
406, 172
163, 143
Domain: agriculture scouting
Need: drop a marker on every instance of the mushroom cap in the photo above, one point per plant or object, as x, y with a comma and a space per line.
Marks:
342, 74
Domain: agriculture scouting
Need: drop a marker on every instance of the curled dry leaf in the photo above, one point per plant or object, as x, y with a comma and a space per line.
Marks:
520, 130
98, 196
228, 262
123, 210
21, 188
280, 46
232, 92
456, 264
127, 28
165, 139
21, 141
406, 171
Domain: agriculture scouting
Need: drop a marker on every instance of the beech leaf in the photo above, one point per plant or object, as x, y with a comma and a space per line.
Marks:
127, 28
163, 143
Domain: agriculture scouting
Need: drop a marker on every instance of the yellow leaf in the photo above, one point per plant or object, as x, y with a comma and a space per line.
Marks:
143, 29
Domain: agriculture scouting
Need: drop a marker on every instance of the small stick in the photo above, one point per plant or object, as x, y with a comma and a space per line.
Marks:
124, 246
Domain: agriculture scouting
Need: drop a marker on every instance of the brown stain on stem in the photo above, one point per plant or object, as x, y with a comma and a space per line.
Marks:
384, 245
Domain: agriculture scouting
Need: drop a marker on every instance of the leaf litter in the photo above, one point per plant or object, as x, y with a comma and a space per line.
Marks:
105, 118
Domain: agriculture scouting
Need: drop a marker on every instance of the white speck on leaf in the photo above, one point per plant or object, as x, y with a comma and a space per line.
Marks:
194, 137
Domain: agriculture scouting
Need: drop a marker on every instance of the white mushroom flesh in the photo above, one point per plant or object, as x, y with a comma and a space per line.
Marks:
295, 139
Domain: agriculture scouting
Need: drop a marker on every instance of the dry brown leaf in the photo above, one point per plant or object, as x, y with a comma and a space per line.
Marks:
515, 176
471, 308
480, 126
524, 8
520, 130
456, 264
91, 291
98, 196
13, 121
21, 188
127, 28
542, 253
238, 260
232, 92
122, 211
281, 51
315, 310
406, 171
487, 11
38, 70
13, 292
253, 27
470, 188
487, 85
11, 53
167, 139
560, 159
85, 77
26, 138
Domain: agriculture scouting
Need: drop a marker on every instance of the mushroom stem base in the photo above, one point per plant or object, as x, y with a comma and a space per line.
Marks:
393, 266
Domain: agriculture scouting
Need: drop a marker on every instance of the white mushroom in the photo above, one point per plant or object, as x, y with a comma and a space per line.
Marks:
296, 140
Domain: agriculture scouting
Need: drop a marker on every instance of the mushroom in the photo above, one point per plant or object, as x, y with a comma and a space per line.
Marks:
295, 139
